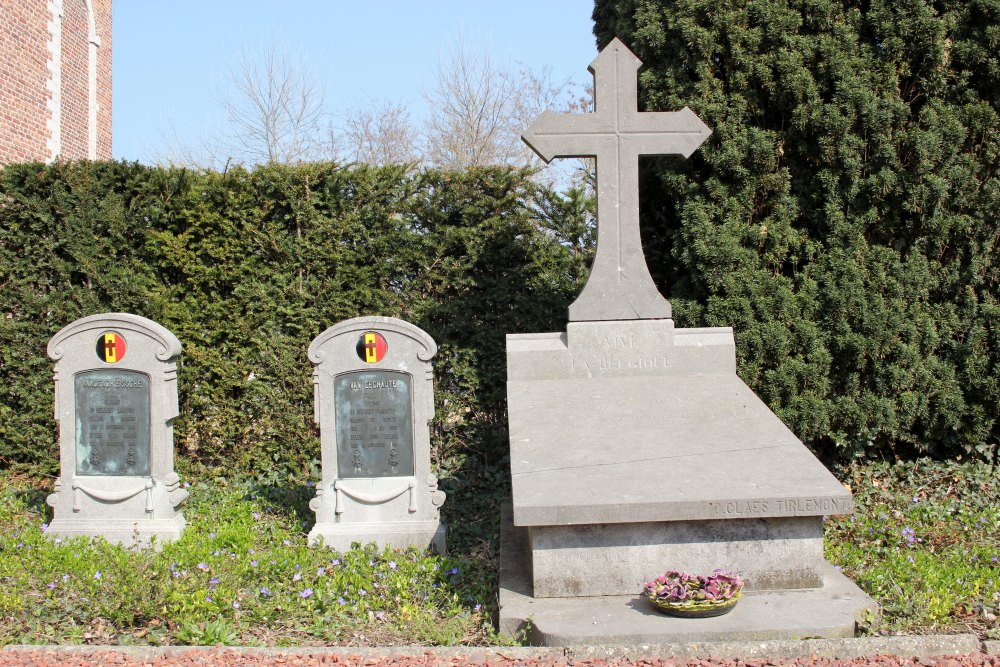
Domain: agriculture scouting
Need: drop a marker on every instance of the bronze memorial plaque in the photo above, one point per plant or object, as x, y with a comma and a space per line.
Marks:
374, 424
112, 423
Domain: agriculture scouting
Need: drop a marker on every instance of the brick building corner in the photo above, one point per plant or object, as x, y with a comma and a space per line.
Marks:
55, 80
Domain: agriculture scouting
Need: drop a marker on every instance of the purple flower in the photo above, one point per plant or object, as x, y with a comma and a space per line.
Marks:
297, 577
211, 536
202, 566
65, 577
45, 527
97, 575
335, 562
286, 543
236, 605
341, 600
51, 585
453, 570
187, 484
392, 565
320, 571
253, 563
265, 591
213, 582
208, 598
307, 593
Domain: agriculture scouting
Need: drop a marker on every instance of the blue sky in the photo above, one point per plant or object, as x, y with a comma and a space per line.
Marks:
169, 55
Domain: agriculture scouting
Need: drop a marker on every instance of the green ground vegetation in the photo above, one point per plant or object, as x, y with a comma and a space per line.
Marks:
241, 575
924, 541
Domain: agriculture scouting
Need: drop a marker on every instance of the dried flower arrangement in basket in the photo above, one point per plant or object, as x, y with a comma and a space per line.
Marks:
695, 596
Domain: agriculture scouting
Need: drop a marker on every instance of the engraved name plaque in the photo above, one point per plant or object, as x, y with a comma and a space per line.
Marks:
112, 423
374, 424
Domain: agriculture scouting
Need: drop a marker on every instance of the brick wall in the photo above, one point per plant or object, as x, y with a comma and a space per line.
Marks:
75, 51
24, 97
102, 11
27, 65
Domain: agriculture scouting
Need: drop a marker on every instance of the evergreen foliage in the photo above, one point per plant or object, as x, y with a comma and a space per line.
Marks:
843, 217
246, 268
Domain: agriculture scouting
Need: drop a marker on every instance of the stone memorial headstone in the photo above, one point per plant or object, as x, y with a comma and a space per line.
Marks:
636, 448
115, 402
374, 399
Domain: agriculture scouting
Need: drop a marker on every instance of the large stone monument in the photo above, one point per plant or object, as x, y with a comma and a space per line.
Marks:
636, 448
374, 397
115, 400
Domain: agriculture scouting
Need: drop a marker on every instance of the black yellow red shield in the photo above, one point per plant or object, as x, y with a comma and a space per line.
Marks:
110, 347
371, 347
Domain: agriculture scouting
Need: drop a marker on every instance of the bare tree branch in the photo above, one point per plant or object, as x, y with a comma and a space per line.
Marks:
478, 107
380, 133
275, 108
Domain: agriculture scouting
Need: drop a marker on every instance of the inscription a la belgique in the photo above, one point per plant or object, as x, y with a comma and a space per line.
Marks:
619, 352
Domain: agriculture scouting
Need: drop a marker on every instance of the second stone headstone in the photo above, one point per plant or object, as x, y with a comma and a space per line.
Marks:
374, 398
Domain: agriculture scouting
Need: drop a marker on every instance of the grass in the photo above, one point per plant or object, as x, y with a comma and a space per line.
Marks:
241, 574
924, 541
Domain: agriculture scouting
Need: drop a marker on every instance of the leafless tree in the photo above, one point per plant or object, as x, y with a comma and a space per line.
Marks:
477, 108
379, 133
275, 108
275, 112
179, 151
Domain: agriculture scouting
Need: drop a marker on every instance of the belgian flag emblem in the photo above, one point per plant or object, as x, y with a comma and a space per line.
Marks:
371, 347
110, 347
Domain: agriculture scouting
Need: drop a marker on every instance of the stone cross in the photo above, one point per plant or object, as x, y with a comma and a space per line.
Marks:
616, 134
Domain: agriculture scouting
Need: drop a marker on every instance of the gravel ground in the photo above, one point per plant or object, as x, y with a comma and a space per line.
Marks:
234, 658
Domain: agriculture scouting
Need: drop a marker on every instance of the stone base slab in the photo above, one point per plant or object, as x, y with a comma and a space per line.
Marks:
143, 532
830, 611
615, 559
400, 534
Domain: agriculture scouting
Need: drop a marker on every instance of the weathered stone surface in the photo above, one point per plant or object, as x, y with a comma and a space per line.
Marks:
115, 401
616, 134
829, 611
645, 442
616, 559
374, 398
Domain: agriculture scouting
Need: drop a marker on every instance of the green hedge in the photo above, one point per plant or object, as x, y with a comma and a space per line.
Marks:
247, 267
843, 217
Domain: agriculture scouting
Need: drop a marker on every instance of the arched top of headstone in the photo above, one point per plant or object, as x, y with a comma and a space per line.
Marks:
427, 346
169, 349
